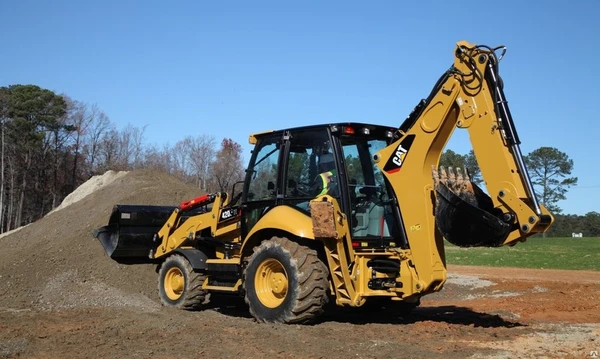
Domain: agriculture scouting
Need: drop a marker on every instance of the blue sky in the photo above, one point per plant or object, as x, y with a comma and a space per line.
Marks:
232, 68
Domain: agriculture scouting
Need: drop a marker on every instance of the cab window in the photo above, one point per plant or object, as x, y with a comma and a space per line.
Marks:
263, 171
310, 155
371, 207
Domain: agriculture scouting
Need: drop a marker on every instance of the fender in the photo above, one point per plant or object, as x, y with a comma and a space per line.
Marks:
283, 218
196, 257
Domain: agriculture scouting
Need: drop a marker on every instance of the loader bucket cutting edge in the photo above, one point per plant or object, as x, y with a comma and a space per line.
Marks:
464, 213
129, 236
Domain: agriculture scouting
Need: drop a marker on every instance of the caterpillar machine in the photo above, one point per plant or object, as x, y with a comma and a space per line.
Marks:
347, 214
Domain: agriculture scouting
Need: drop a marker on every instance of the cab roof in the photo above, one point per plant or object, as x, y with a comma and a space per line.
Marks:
255, 136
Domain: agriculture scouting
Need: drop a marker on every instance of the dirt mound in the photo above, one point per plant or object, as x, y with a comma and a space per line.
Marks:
89, 187
12, 231
57, 263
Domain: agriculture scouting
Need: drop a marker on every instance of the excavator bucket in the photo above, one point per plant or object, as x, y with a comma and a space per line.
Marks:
464, 213
129, 236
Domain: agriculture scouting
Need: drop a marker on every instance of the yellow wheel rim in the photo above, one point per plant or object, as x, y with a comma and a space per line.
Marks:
174, 283
271, 283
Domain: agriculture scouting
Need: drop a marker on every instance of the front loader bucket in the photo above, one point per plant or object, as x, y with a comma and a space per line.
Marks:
129, 236
464, 214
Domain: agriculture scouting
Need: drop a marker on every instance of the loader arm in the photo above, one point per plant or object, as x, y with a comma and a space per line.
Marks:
445, 204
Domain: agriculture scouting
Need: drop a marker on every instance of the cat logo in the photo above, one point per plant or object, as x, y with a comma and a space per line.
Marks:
400, 153
395, 162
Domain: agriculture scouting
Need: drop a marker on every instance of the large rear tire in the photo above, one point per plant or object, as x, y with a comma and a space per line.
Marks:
285, 282
179, 286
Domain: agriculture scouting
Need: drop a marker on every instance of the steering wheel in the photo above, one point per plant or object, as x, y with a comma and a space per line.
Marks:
381, 198
304, 189
372, 194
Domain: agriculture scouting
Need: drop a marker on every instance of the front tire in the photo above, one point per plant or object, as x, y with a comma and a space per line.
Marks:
285, 282
179, 286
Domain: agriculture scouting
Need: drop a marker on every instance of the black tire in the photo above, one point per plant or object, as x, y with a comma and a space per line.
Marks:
179, 286
306, 283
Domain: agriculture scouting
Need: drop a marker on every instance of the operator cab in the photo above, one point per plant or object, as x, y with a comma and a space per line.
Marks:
292, 167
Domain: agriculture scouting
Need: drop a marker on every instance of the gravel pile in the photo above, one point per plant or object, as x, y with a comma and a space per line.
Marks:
57, 263
89, 187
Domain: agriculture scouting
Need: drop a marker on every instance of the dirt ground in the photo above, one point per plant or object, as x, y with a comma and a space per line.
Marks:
61, 297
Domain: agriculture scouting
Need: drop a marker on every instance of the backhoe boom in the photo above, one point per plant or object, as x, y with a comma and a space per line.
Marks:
468, 96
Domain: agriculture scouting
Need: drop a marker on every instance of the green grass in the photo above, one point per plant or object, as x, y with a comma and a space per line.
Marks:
541, 253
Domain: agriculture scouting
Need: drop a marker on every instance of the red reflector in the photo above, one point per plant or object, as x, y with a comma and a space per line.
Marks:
349, 130
355, 244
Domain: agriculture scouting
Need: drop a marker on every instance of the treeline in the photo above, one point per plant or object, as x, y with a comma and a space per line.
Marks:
566, 224
51, 143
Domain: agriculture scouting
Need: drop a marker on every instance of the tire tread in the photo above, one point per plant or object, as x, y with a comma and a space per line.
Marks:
194, 295
312, 275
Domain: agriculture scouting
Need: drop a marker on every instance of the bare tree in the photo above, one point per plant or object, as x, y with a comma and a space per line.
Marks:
108, 150
128, 147
99, 124
58, 134
12, 194
179, 157
160, 159
80, 116
137, 146
227, 167
121, 150
124, 147
154, 158
201, 150
3, 118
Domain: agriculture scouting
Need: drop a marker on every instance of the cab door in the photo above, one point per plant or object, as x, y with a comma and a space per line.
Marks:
303, 164
263, 180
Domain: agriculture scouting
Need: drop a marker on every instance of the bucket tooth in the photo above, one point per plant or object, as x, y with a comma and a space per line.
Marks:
463, 182
435, 174
467, 184
459, 178
451, 177
443, 175
467, 177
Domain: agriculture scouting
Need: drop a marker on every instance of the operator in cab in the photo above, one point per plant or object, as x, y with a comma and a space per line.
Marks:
326, 181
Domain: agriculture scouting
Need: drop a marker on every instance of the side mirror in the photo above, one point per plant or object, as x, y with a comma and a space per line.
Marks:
270, 186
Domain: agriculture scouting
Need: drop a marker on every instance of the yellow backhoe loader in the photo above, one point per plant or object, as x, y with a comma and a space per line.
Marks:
349, 213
